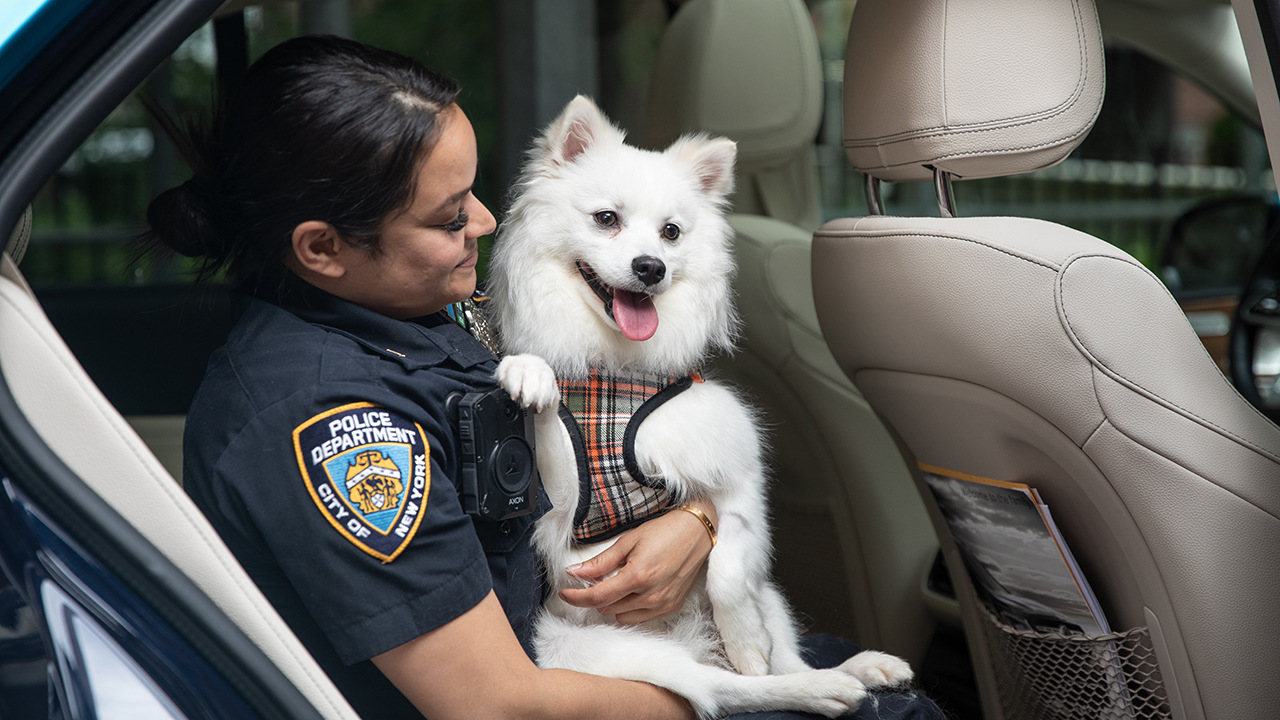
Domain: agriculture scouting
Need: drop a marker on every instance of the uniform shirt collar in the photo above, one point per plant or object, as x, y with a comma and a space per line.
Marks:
417, 343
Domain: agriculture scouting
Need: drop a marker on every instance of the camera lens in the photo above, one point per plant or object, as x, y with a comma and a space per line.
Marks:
513, 465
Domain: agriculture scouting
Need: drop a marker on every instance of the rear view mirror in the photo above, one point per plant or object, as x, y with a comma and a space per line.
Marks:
1212, 247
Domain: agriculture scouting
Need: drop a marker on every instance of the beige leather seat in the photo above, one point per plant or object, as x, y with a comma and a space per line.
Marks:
1024, 351
82, 428
854, 541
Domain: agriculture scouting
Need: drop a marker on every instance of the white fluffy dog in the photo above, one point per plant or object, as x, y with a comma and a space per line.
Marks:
614, 267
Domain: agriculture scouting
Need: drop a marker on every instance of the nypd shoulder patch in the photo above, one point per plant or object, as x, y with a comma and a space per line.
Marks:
367, 469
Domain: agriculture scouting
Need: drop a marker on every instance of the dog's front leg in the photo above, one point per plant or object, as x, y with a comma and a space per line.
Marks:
529, 380
759, 632
733, 586
704, 442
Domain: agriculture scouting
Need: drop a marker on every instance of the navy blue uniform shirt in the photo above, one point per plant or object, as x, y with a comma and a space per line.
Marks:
318, 447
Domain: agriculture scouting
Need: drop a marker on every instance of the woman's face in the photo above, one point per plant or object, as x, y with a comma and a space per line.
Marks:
427, 256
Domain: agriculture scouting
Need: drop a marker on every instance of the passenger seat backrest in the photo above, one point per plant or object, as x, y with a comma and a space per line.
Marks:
78, 423
750, 70
1023, 351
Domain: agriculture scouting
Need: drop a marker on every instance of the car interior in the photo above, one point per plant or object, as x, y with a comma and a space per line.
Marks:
853, 496
1015, 348
874, 340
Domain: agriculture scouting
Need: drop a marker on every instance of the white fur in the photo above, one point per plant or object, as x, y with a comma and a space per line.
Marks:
733, 646
544, 308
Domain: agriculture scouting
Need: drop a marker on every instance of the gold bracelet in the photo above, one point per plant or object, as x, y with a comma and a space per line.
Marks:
706, 521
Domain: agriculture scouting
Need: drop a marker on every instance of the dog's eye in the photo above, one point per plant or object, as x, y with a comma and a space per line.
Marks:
671, 231
607, 218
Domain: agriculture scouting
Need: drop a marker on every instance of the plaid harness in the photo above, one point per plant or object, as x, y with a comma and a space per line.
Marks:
602, 414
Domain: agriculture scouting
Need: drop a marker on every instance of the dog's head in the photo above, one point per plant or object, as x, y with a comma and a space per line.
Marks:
616, 257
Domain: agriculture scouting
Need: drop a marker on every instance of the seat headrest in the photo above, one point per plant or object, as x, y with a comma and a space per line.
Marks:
746, 69
978, 88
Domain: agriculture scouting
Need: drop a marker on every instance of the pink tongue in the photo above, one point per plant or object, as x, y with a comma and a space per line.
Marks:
635, 314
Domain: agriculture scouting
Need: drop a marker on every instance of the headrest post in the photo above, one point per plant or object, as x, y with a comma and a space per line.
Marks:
942, 187
875, 205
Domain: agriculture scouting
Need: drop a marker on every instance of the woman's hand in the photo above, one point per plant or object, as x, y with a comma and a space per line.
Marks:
656, 563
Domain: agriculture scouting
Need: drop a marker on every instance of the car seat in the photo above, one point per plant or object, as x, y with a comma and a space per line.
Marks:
86, 433
1024, 351
853, 539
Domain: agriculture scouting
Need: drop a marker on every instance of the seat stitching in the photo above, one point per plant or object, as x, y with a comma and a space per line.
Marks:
952, 133
1000, 128
946, 115
1093, 380
989, 151
943, 236
167, 487
1066, 321
1034, 116
1207, 479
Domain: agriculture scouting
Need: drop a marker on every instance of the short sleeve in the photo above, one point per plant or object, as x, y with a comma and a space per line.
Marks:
361, 520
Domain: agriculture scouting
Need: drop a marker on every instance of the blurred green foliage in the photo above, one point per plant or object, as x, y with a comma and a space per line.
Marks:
87, 215
456, 38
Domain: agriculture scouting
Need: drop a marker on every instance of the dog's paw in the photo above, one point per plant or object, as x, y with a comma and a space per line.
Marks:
529, 380
829, 693
877, 669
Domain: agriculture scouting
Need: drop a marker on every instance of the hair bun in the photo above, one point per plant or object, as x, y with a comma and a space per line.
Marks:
184, 218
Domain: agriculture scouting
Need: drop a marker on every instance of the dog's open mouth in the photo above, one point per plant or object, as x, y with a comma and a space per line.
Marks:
634, 312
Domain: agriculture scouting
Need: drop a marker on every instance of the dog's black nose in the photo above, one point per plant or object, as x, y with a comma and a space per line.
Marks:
649, 269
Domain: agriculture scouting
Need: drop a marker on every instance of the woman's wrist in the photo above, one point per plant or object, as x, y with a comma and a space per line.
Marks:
706, 518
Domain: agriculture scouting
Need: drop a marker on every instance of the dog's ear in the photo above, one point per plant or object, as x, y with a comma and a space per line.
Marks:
712, 161
580, 126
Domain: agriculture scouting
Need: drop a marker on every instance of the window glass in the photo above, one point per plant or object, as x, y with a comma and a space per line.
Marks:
119, 688
140, 330
98, 677
87, 215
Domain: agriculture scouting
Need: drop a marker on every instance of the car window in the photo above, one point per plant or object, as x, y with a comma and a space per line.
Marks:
88, 213
134, 321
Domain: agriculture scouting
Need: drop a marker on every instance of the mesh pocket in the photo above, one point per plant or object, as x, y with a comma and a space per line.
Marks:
1044, 676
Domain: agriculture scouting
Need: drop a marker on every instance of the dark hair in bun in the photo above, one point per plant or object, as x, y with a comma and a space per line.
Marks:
322, 128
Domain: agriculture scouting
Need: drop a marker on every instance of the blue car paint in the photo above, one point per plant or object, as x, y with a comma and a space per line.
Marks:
34, 550
21, 43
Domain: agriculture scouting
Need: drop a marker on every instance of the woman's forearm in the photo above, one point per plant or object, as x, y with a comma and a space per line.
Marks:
567, 694
475, 667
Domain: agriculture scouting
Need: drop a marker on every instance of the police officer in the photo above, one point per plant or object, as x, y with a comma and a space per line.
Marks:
335, 190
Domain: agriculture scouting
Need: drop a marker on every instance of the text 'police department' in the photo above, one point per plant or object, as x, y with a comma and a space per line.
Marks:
360, 429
